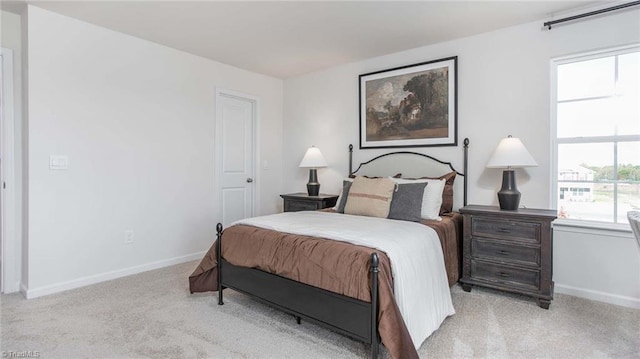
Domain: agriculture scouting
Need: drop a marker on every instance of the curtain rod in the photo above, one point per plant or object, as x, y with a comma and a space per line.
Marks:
548, 24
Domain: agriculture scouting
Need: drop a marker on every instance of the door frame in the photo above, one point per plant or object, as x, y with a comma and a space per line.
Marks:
10, 240
255, 200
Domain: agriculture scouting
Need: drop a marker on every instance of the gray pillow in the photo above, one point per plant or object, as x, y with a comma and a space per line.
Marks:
346, 186
406, 203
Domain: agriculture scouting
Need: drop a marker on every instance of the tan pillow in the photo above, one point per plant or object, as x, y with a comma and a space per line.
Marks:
370, 197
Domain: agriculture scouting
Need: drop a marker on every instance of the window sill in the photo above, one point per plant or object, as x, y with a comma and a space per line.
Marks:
574, 225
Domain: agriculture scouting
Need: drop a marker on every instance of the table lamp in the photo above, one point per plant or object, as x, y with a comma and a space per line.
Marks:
313, 160
510, 154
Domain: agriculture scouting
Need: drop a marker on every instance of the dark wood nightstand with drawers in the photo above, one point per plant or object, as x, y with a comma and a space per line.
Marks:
294, 202
509, 250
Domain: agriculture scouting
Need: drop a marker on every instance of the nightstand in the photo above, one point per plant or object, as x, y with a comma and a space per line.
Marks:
509, 250
294, 202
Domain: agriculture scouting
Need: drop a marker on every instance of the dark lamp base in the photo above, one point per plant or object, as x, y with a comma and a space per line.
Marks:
509, 196
313, 187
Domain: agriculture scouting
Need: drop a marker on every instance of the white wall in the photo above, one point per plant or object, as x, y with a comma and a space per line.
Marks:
136, 120
11, 39
597, 264
503, 88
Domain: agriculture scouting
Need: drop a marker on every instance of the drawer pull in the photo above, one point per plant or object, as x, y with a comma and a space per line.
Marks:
502, 274
503, 230
503, 252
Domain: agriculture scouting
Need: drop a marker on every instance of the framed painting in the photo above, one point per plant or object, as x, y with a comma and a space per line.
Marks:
410, 106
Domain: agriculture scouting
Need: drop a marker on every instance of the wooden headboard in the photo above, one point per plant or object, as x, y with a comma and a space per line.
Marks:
414, 165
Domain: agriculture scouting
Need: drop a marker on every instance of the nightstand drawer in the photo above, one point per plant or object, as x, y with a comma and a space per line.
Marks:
294, 202
496, 273
513, 230
294, 206
503, 252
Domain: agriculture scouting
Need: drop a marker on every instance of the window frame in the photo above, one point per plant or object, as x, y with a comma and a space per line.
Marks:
614, 140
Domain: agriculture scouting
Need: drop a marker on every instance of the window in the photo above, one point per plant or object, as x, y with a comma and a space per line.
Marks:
596, 118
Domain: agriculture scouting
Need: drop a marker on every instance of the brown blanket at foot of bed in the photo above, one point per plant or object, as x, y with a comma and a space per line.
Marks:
335, 266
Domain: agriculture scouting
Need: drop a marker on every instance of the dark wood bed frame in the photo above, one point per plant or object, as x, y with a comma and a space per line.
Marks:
348, 316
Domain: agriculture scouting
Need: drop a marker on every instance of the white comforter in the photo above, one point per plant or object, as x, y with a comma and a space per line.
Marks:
420, 282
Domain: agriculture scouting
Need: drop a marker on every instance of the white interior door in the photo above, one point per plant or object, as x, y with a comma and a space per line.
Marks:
235, 138
1, 180
10, 251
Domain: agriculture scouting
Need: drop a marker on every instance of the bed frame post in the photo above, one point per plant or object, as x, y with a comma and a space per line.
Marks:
219, 260
350, 160
466, 168
374, 305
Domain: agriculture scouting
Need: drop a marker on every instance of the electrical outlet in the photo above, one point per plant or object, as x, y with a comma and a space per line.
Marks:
128, 236
58, 162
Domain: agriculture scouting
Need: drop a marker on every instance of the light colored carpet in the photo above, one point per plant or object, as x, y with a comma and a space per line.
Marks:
152, 315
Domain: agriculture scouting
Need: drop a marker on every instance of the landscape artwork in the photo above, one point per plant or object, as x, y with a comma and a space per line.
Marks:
410, 106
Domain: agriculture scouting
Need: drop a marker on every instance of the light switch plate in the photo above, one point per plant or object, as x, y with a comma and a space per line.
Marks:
58, 162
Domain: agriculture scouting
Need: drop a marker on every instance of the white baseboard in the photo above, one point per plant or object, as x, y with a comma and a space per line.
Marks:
23, 289
93, 279
599, 296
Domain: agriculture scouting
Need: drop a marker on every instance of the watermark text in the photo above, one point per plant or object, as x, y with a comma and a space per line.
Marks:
20, 354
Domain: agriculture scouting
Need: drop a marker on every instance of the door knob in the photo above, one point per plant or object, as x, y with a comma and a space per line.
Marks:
249, 180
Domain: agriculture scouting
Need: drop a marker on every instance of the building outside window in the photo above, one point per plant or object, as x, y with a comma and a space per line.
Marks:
596, 120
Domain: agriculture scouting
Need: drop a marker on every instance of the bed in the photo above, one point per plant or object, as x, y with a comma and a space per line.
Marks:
332, 281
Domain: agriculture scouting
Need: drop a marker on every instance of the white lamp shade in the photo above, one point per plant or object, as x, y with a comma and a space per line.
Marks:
313, 159
511, 153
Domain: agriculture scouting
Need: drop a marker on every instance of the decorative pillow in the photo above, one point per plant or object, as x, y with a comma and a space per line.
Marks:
342, 200
406, 203
432, 198
447, 193
370, 197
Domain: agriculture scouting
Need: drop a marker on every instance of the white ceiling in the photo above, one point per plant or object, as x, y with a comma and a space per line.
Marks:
284, 39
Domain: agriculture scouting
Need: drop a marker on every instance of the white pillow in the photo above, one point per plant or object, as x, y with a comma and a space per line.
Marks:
432, 197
